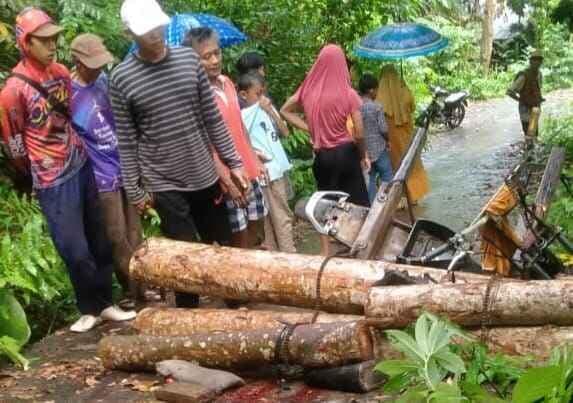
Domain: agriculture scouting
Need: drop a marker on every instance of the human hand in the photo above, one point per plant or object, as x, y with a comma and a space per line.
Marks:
263, 172
239, 198
266, 104
366, 164
240, 180
146, 204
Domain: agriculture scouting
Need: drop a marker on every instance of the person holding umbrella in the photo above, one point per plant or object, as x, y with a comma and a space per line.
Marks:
399, 107
326, 98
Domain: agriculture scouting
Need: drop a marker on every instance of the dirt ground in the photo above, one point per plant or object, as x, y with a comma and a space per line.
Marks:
65, 368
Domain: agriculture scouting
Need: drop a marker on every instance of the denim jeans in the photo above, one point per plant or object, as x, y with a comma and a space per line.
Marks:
75, 223
382, 168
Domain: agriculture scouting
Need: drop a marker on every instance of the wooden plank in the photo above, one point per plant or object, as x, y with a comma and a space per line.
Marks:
373, 233
549, 181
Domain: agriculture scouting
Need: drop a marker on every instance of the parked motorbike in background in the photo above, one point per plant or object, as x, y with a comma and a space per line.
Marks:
448, 108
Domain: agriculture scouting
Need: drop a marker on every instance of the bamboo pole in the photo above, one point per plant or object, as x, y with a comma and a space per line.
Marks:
261, 276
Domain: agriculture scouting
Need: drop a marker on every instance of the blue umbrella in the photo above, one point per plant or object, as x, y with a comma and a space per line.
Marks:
400, 41
180, 24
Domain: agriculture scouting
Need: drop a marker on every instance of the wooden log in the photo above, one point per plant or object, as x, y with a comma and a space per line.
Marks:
186, 322
373, 233
536, 340
549, 181
509, 303
261, 276
311, 346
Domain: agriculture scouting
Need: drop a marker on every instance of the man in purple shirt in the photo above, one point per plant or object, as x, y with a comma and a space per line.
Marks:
93, 119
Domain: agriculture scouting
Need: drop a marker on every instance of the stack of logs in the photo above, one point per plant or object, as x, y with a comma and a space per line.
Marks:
346, 309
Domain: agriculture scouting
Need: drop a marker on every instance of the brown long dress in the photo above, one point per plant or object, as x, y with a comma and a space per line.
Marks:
399, 106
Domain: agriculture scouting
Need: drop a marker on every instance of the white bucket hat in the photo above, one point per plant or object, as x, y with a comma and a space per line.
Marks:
142, 16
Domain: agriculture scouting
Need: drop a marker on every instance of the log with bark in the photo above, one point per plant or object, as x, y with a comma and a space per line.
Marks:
186, 322
376, 227
537, 340
261, 276
320, 345
498, 303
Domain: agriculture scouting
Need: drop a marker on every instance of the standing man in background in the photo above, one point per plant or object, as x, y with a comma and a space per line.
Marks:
526, 89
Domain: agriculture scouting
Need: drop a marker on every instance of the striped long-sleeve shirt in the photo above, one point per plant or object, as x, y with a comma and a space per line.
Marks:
166, 120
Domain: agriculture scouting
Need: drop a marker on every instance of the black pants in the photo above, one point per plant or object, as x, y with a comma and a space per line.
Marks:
339, 169
193, 217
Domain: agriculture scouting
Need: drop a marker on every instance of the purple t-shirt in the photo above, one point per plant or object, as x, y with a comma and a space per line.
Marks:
92, 118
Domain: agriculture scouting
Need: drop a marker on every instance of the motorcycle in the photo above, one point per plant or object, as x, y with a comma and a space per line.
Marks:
448, 108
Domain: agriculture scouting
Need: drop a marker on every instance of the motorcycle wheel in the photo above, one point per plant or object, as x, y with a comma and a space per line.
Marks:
456, 116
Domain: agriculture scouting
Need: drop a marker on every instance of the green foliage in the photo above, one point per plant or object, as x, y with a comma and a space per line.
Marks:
30, 270
434, 369
429, 360
552, 383
487, 369
302, 178
14, 329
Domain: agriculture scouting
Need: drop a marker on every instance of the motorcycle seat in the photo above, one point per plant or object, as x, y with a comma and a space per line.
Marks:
456, 97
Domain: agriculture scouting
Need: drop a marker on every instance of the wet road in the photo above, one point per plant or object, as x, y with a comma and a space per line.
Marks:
467, 164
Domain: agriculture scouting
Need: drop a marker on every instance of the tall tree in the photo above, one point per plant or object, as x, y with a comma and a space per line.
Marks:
487, 34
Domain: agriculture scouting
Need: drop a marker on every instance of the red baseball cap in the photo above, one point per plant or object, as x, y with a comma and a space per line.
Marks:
35, 22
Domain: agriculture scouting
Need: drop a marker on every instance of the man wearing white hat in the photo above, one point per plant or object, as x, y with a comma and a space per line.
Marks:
167, 125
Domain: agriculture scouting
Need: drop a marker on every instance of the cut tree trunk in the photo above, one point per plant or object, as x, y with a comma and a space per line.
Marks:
261, 276
186, 322
509, 303
377, 224
537, 341
487, 34
320, 345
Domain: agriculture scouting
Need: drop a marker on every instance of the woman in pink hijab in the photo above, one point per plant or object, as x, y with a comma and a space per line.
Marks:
327, 99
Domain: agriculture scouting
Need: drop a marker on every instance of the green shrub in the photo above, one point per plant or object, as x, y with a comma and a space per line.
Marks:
30, 268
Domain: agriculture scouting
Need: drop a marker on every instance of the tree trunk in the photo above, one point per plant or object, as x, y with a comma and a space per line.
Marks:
487, 34
261, 276
509, 304
320, 345
537, 341
187, 322
377, 224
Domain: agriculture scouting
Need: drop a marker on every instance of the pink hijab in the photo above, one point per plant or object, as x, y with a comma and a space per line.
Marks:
328, 99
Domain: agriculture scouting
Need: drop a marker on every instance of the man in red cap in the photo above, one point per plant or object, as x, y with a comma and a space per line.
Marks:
36, 127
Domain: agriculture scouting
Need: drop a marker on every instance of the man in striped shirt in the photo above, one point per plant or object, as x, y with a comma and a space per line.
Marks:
167, 123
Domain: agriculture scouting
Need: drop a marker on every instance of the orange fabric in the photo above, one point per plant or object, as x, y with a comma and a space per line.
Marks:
399, 138
231, 112
498, 237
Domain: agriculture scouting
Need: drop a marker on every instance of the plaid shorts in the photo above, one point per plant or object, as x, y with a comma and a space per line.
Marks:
255, 210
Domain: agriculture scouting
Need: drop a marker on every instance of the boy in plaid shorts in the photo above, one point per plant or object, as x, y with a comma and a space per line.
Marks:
246, 207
